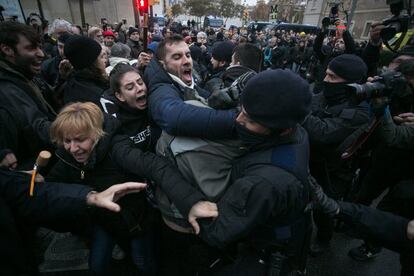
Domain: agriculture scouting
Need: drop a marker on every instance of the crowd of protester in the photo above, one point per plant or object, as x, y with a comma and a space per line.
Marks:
247, 141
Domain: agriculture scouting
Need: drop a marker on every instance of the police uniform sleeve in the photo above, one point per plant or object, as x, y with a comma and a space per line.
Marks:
249, 202
386, 228
50, 201
334, 130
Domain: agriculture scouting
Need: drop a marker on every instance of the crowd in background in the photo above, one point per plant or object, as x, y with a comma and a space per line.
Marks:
114, 108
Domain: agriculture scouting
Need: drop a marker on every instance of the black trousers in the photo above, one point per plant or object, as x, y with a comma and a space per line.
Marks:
182, 254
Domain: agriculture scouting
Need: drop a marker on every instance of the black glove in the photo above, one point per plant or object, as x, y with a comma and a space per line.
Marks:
321, 200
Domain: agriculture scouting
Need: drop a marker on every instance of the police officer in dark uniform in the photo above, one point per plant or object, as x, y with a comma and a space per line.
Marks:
336, 115
262, 212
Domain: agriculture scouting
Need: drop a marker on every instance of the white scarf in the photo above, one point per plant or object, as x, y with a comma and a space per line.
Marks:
180, 82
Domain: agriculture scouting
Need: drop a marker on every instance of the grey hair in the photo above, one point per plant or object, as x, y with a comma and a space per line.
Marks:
59, 23
201, 34
120, 50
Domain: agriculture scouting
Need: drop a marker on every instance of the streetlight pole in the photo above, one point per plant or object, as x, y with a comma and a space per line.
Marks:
39, 6
136, 13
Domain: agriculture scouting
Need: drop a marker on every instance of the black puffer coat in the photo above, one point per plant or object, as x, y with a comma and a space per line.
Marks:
84, 86
100, 173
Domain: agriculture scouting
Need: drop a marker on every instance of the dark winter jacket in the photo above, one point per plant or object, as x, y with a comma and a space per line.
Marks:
234, 72
386, 229
396, 136
264, 193
19, 213
330, 124
301, 55
136, 48
172, 114
371, 56
50, 70
24, 104
214, 79
83, 86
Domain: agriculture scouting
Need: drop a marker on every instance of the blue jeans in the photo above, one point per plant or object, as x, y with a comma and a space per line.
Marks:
102, 244
142, 254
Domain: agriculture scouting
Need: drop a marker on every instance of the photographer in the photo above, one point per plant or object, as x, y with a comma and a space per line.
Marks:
391, 159
343, 44
336, 115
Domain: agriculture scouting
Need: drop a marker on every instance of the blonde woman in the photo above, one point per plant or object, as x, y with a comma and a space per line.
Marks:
84, 141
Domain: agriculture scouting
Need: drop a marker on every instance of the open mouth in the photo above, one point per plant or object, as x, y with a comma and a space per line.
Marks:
36, 65
142, 101
80, 157
187, 74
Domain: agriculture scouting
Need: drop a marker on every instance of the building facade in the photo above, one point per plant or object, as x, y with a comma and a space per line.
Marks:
365, 13
94, 10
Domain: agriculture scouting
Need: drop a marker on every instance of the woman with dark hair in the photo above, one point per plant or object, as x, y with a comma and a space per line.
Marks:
89, 79
126, 100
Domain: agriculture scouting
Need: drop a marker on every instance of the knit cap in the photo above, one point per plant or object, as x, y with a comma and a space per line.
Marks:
222, 51
81, 51
277, 99
349, 67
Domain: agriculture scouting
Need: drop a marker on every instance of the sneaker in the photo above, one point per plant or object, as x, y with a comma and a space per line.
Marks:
117, 253
364, 252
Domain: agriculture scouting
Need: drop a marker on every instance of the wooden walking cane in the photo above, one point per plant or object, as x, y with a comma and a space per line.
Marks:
41, 161
145, 30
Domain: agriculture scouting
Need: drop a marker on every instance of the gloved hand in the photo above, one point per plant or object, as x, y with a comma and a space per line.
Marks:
321, 200
379, 106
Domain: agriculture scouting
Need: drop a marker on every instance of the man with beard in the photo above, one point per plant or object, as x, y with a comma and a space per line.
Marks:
220, 61
109, 39
335, 116
21, 96
134, 43
246, 61
170, 88
170, 83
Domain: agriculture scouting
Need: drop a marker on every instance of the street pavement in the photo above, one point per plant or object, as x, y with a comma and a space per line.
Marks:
335, 261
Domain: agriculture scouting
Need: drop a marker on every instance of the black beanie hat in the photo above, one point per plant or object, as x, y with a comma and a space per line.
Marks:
222, 51
81, 51
195, 52
349, 67
132, 30
277, 99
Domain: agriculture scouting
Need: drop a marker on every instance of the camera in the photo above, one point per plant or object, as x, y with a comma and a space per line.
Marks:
383, 86
398, 22
333, 17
